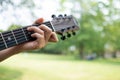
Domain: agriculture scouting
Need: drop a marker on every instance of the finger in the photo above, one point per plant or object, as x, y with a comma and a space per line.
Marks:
39, 21
47, 31
37, 35
40, 42
53, 37
36, 30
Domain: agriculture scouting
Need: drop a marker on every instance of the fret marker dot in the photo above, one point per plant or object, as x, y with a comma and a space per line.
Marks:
9, 38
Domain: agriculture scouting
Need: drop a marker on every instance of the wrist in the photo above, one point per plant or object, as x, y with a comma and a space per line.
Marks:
16, 49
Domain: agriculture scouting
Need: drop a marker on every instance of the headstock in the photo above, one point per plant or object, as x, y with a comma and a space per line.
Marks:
64, 24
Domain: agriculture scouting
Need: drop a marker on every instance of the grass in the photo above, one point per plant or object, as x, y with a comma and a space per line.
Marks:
56, 67
6, 74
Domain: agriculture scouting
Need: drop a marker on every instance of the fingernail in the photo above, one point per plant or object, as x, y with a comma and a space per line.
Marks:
42, 25
28, 28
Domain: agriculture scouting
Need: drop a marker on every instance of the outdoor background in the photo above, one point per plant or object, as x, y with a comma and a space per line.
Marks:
92, 54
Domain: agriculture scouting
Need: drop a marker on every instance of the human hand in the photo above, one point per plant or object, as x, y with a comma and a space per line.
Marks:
43, 35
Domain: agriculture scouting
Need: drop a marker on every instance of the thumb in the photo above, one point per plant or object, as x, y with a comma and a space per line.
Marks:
39, 21
53, 37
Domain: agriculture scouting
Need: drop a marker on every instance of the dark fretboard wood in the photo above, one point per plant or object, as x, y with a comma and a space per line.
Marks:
9, 39
18, 36
2, 43
62, 25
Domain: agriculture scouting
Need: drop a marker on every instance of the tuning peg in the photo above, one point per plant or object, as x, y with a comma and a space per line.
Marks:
73, 26
61, 16
68, 35
65, 15
73, 33
62, 30
53, 16
68, 28
63, 37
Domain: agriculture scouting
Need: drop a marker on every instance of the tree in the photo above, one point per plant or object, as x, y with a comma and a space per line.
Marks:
95, 18
13, 26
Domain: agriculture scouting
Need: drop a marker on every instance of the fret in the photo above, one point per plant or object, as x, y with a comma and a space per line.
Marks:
19, 35
1, 38
21, 40
28, 34
24, 34
49, 24
4, 41
9, 39
14, 37
62, 24
2, 44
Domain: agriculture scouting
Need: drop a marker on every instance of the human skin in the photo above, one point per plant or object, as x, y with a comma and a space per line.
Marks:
43, 35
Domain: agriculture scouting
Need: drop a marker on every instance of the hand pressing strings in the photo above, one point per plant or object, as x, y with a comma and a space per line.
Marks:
43, 35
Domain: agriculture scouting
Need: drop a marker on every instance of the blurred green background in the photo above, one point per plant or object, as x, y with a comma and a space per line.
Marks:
92, 54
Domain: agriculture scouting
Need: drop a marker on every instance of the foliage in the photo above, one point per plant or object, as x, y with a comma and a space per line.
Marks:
99, 23
98, 27
13, 26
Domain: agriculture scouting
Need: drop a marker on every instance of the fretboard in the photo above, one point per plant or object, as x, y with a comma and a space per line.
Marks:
18, 36
63, 25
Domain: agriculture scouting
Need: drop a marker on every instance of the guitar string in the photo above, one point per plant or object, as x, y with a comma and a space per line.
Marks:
12, 43
6, 34
20, 39
23, 38
18, 34
9, 32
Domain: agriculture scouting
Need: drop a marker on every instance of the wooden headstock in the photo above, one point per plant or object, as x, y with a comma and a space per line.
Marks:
64, 24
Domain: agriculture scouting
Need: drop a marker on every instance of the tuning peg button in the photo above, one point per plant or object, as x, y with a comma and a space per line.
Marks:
63, 37
62, 30
68, 28
53, 16
61, 16
73, 26
73, 33
65, 15
68, 35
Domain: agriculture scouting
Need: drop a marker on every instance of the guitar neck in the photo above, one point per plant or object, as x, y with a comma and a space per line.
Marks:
18, 36
62, 25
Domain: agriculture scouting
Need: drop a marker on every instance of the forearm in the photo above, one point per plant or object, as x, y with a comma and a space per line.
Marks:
43, 34
9, 52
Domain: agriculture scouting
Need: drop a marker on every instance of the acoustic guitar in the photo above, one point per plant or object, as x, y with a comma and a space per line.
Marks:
60, 25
